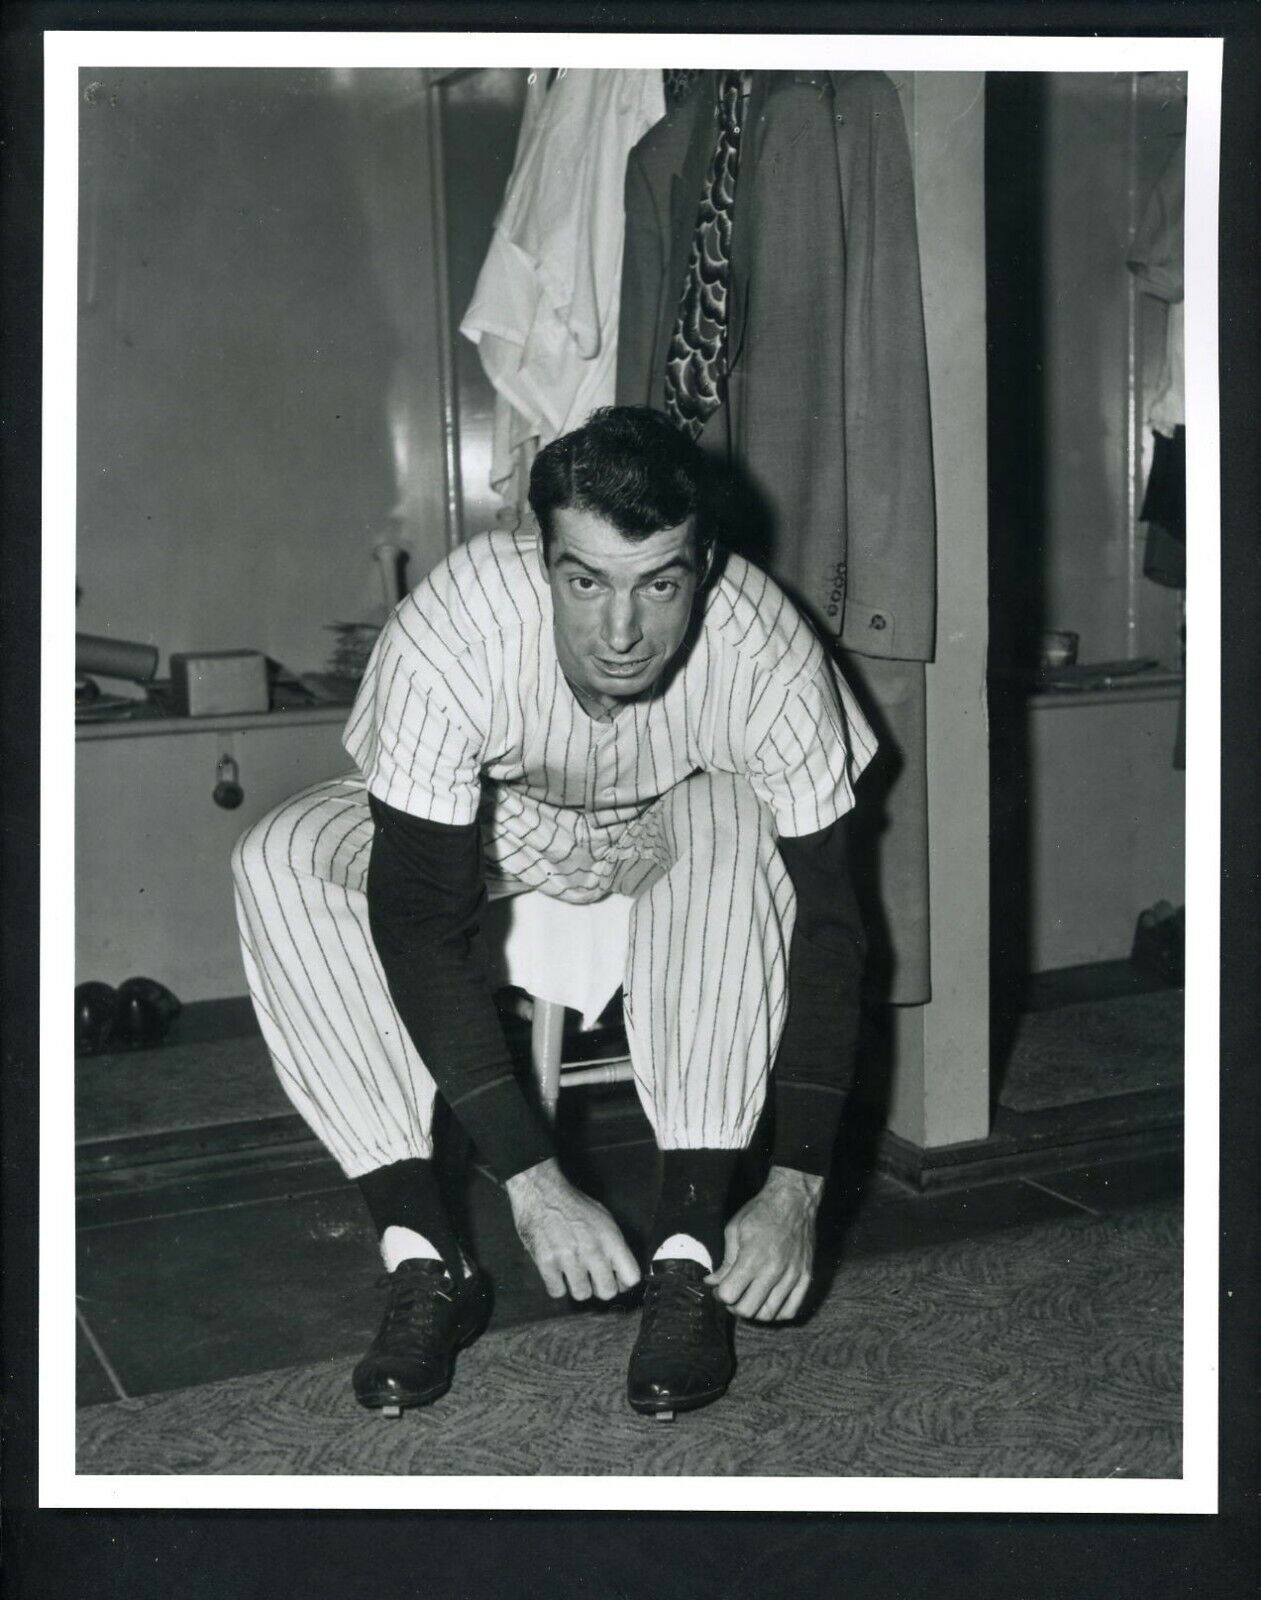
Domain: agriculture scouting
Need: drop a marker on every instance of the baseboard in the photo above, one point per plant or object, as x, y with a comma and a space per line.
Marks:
1123, 1128
1098, 980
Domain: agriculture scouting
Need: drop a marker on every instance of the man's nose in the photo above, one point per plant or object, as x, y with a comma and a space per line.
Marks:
622, 631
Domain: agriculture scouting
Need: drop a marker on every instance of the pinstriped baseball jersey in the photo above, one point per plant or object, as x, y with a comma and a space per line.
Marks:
464, 712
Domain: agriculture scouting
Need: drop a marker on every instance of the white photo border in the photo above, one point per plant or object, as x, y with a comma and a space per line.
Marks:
59, 1484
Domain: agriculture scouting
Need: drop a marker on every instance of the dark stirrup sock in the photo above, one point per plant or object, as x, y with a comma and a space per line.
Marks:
693, 1198
406, 1195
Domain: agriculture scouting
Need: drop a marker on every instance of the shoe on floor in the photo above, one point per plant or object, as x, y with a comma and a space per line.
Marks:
428, 1318
683, 1357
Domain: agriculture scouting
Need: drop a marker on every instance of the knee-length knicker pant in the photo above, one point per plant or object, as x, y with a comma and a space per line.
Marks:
705, 990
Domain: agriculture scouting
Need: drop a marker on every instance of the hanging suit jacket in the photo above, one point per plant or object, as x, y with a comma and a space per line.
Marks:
826, 416
827, 402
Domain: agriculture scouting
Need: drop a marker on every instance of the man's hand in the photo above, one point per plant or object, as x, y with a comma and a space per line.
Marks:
575, 1243
769, 1248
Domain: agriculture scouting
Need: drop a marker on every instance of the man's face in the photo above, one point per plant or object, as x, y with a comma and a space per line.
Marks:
622, 609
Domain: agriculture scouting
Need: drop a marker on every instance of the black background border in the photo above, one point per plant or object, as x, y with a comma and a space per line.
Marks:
226, 1555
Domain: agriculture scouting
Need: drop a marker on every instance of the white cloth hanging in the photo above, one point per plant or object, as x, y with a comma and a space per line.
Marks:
1156, 260
573, 955
544, 311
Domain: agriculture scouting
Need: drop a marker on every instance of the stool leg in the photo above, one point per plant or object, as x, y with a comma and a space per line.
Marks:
545, 1043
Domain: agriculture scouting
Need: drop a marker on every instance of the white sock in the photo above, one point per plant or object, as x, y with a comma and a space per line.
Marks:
682, 1247
405, 1244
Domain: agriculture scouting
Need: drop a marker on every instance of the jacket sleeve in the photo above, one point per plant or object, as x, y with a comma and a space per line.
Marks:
815, 1066
425, 898
891, 600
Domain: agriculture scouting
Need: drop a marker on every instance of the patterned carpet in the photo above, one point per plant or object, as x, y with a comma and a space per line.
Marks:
1094, 1050
1049, 1351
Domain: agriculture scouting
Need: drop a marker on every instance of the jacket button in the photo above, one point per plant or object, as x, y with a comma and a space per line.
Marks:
878, 622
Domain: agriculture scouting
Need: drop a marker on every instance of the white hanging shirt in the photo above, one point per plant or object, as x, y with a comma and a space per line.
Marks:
544, 312
1156, 260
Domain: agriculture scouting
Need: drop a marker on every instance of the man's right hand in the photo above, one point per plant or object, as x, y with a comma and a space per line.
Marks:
575, 1243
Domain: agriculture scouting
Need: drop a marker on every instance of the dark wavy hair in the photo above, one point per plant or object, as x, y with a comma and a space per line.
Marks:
629, 465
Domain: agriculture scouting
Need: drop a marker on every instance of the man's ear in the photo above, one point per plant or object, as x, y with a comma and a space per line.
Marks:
707, 566
542, 552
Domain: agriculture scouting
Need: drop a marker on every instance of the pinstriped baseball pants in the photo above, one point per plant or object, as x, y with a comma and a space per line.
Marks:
705, 992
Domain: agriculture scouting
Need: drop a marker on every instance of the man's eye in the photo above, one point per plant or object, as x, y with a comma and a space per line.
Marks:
581, 585
663, 588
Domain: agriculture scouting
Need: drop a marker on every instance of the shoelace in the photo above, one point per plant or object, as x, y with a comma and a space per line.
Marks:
414, 1306
674, 1311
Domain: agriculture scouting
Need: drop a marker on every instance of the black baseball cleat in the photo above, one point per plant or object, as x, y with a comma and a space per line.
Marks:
428, 1318
683, 1357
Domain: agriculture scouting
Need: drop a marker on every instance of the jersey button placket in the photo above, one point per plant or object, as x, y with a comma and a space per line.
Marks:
606, 748
592, 777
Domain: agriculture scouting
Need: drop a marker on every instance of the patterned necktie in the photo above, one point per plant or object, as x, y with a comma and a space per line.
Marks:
696, 361
676, 81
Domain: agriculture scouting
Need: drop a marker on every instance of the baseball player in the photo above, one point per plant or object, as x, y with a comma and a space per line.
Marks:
613, 704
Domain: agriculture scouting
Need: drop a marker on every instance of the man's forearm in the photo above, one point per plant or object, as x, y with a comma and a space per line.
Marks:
814, 1069
425, 896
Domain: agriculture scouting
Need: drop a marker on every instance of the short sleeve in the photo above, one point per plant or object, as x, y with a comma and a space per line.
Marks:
417, 749
807, 744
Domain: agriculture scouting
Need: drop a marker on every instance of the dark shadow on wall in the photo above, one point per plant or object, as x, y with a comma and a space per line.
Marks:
1015, 208
740, 513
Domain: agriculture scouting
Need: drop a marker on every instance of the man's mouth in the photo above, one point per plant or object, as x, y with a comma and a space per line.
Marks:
622, 666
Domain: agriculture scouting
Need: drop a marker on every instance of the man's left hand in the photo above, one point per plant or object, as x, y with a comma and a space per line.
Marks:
769, 1248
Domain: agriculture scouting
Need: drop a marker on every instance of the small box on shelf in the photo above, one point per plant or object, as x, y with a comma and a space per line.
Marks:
218, 682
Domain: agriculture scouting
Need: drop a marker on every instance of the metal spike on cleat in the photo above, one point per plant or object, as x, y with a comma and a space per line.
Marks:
664, 1416
391, 1411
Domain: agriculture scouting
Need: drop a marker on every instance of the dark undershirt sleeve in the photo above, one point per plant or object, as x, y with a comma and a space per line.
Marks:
426, 895
814, 1069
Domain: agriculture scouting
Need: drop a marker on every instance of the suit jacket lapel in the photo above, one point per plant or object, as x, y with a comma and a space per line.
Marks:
742, 230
